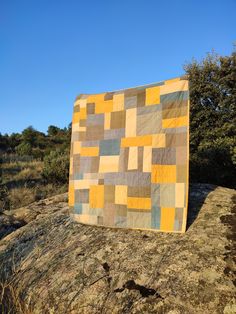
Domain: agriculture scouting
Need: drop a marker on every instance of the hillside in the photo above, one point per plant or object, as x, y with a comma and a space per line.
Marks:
33, 165
53, 265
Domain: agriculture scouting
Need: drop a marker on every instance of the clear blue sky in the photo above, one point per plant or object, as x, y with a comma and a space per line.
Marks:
52, 50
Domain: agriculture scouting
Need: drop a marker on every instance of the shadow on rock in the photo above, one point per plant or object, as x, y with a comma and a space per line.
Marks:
197, 195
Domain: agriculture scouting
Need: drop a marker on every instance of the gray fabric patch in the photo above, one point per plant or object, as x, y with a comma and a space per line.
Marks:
178, 219
148, 109
130, 102
181, 129
164, 156
82, 196
95, 119
155, 194
127, 178
109, 147
90, 143
114, 134
167, 195
149, 123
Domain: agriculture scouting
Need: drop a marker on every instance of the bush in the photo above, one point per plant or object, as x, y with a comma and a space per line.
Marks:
56, 167
24, 149
4, 199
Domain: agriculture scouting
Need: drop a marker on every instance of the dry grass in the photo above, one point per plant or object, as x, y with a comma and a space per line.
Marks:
22, 196
21, 170
10, 297
24, 183
10, 301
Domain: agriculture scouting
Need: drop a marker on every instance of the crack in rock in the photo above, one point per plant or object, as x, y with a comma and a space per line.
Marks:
144, 291
106, 267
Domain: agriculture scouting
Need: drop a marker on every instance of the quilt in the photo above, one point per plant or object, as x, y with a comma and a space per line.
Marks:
129, 157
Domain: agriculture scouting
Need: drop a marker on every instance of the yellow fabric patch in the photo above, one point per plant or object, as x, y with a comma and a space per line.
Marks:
89, 151
71, 165
158, 140
175, 122
147, 157
175, 87
131, 121
86, 219
145, 140
71, 194
133, 158
95, 98
118, 102
179, 194
153, 95
75, 127
109, 164
172, 81
84, 184
76, 147
167, 218
141, 203
96, 196
163, 174
81, 102
83, 113
121, 194
107, 121
104, 106
76, 117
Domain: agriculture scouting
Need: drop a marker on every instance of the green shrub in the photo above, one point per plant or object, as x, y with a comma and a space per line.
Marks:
56, 167
24, 149
4, 199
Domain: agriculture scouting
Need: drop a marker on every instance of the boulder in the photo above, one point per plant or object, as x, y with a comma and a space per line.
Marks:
55, 265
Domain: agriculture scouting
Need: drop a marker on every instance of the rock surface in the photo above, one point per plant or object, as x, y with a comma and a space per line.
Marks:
53, 265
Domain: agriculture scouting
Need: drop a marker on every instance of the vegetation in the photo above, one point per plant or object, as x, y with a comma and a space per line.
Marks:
35, 165
213, 120
56, 167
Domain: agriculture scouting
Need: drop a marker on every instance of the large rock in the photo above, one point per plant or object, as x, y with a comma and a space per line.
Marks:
53, 265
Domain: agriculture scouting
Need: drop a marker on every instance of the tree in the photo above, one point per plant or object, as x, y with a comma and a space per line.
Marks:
29, 135
213, 119
53, 130
4, 142
13, 140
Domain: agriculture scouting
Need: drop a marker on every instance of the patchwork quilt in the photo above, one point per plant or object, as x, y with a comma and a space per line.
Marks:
129, 157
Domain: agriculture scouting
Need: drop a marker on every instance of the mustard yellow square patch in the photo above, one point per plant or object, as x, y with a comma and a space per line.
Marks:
153, 95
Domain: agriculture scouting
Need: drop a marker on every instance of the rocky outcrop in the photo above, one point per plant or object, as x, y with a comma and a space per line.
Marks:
53, 265
8, 224
14, 219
